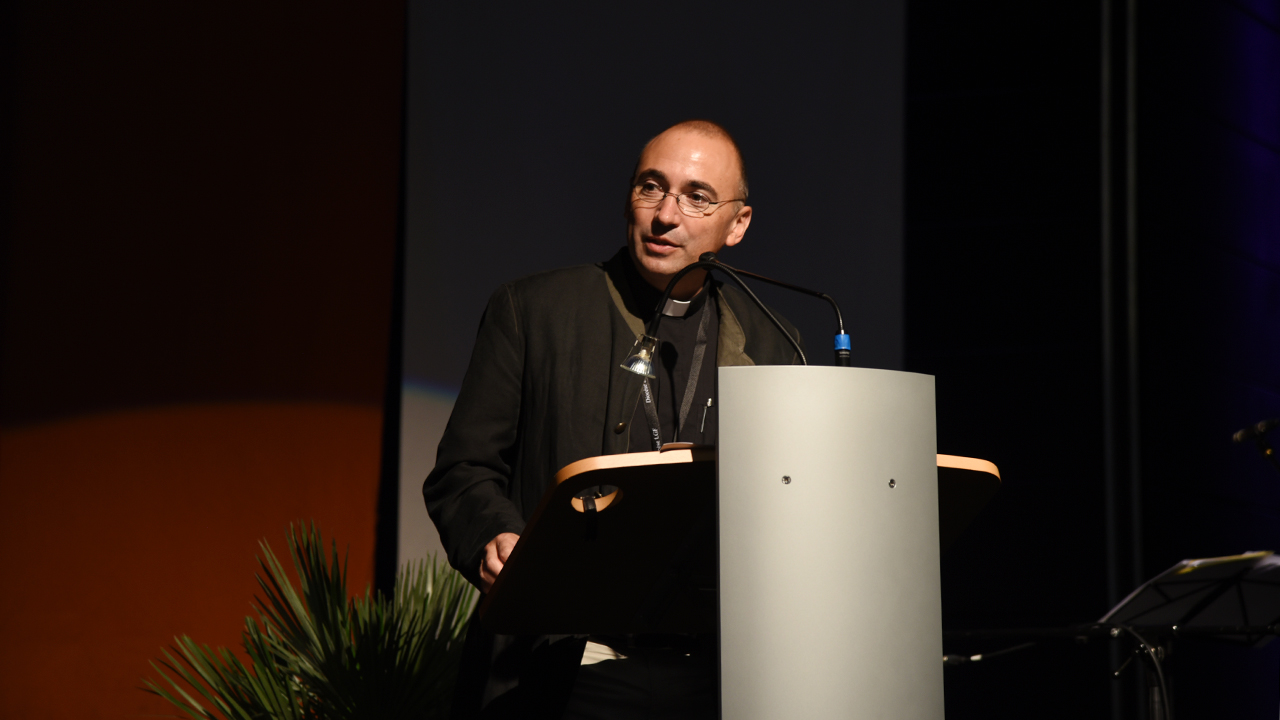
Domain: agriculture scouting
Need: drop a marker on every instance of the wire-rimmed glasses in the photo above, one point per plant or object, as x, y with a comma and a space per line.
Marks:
648, 193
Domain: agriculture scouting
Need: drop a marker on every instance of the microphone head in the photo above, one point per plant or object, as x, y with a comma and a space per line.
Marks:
707, 257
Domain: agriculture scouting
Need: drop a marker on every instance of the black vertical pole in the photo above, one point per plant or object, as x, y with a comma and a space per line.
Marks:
1119, 274
1137, 575
387, 540
386, 553
1110, 465
1132, 386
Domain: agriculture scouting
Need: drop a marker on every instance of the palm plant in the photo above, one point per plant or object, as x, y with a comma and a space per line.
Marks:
316, 655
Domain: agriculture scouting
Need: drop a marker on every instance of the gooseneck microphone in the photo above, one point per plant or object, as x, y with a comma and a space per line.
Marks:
842, 344
640, 360
652, 330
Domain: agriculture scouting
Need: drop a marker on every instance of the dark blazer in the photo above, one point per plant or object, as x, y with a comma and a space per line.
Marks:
544, 388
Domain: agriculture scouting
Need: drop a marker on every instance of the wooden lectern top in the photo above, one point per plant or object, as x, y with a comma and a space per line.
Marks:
965, 486
645, 559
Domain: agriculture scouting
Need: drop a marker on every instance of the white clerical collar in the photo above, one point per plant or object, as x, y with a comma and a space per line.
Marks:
676, 308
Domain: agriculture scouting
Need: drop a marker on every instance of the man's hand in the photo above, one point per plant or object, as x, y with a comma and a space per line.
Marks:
495, 556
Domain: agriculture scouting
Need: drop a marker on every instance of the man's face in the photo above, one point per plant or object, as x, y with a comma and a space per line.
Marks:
662, 239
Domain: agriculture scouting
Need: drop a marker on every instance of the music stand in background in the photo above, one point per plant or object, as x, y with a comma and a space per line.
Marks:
1235, 597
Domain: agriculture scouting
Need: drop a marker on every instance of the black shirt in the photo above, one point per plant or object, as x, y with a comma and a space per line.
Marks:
677, 338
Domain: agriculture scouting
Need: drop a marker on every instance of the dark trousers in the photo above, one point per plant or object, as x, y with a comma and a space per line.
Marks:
647, 685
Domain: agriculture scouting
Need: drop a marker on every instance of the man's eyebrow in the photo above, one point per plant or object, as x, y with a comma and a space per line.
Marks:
651, 173
699, 185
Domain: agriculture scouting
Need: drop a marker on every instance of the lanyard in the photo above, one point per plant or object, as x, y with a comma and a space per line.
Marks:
651, 402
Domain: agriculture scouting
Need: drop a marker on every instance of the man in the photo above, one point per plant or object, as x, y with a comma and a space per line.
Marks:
545, 388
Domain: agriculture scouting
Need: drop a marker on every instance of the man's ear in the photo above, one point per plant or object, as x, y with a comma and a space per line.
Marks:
738, 228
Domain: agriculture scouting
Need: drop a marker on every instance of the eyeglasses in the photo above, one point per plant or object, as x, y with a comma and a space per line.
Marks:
695, 204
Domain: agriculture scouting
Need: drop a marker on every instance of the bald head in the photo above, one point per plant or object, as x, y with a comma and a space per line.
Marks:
708, 129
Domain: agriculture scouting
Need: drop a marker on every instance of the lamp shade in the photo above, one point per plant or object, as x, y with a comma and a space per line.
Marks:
640, 359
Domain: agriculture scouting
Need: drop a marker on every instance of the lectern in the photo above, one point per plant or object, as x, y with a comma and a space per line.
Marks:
830, 596
809, 540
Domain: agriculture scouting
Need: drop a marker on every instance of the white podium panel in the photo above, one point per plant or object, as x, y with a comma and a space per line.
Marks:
830, 597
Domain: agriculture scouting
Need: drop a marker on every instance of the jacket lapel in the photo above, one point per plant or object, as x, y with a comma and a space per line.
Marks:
624, 386
733, 341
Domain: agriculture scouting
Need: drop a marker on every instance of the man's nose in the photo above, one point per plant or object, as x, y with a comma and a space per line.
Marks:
669, 211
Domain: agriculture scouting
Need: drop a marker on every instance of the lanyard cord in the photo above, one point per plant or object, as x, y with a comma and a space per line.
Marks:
650, 401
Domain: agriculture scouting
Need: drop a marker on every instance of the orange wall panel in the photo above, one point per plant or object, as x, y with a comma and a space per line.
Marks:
198, 207
122, 530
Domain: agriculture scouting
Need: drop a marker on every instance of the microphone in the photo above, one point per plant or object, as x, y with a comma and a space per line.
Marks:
842, 344
1255, 431
640, 359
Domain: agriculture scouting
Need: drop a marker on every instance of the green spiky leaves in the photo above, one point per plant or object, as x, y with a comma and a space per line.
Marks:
316, 655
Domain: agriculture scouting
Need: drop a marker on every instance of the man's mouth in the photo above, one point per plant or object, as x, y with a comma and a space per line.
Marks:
658, 244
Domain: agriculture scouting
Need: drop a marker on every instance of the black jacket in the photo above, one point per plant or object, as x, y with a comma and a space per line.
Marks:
544, 388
